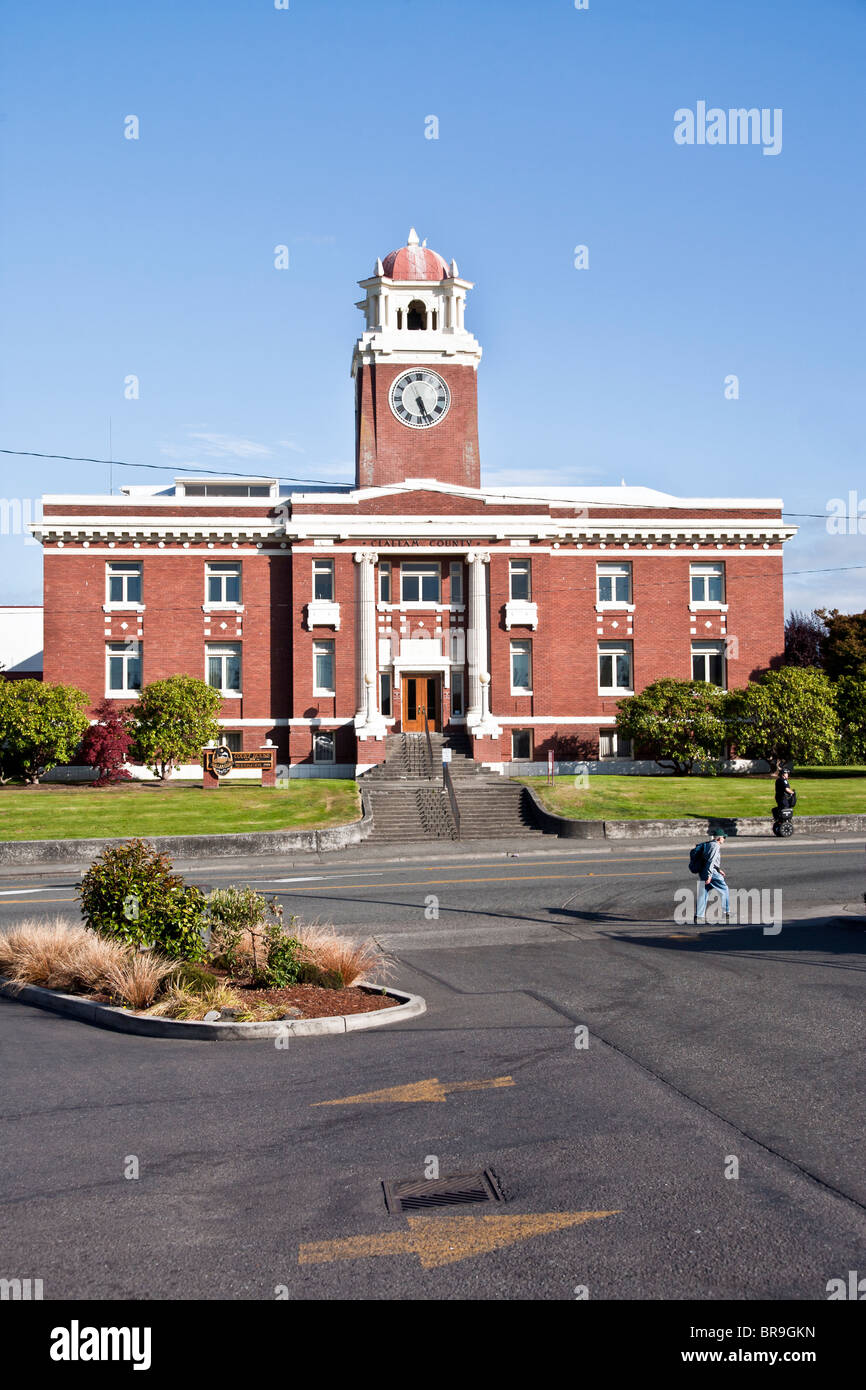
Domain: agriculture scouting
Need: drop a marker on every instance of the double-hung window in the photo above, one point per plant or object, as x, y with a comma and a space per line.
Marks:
323, 668
708, 583
420, 581
520, 576
521, 745
613, 745
708, 663
384, 581
614, 584
614, 668
223, 586
521, 668
123, 584
123, 668
456, 571
323, 580
224, 667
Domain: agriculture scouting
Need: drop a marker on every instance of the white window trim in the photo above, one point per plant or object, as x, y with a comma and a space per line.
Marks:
614, 649
320, 690
126, 567
519, 689
604, 607
223, 605
706, 605
225, 694
324, 563
129, 694
708, 646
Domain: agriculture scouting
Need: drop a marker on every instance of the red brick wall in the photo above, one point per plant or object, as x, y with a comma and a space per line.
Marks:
388, 451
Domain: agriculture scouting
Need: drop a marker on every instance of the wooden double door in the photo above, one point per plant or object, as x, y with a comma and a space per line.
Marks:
422, 693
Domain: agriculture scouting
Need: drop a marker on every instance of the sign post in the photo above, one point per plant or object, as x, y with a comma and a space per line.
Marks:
550, 767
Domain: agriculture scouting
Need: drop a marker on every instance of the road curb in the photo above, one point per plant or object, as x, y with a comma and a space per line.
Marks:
122, 1021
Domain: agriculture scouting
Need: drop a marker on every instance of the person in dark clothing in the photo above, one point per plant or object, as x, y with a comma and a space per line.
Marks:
784, 791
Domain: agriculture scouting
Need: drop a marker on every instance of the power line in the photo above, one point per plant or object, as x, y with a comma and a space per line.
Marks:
318, 482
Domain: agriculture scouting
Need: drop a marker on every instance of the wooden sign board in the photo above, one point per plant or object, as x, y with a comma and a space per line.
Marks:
219, 762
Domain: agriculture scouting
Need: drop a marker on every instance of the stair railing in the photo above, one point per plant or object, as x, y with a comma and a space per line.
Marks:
448, 784
423, 711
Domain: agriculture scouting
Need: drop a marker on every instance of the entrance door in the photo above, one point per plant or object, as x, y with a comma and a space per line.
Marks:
420, 693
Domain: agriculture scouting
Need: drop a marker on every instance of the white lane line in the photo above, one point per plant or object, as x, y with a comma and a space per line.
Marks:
311, 878
10, 892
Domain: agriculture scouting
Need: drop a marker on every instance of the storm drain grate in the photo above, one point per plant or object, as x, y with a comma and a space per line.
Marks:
460, 1189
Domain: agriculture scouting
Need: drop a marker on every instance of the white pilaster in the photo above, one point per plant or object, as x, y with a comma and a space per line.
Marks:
479, 720
368, 720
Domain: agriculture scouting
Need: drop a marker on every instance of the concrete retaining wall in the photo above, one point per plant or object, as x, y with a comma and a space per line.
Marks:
21, 853
687, 829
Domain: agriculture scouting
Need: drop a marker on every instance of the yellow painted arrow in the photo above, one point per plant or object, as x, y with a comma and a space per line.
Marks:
443, 1240
432, 1089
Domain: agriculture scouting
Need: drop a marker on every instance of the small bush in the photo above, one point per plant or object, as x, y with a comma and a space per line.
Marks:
195, 978
130, 895
247, 937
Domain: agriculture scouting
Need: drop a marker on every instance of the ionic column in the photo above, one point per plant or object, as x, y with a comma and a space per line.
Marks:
476, 632
368, 720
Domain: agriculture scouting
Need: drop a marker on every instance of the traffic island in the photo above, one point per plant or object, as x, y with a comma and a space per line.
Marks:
398, 1007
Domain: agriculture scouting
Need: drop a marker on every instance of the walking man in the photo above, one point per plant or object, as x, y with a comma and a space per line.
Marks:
713, 877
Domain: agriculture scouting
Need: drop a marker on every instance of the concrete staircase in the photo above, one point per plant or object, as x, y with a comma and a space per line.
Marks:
407, 804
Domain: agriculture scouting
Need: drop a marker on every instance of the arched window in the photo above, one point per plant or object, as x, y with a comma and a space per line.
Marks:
434, 320
399, 318
416, 315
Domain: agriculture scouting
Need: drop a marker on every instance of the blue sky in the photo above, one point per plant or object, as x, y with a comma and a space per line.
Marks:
306, 127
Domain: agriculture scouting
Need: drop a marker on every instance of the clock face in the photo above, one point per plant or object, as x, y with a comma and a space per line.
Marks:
419, 398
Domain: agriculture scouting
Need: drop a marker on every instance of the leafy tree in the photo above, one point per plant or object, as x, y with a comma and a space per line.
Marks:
106, 744
41, 725
172, 722
844, 647
786, 716
804, 635
678, 723
850, 692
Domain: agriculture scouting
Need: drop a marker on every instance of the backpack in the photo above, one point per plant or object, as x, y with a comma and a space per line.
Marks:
791, 799
699, 858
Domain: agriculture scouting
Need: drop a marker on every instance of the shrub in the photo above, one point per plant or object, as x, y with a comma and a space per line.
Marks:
106, 743
130, 895
247, 937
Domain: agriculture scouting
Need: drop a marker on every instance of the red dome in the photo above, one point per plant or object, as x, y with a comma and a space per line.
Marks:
415, 262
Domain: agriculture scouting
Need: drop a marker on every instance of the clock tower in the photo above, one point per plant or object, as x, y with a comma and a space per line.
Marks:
414, 367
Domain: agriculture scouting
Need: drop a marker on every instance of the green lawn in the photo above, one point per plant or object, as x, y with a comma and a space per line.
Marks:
820, 792
79, 813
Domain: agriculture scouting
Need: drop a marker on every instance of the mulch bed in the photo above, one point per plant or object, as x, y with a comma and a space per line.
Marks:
315, 1002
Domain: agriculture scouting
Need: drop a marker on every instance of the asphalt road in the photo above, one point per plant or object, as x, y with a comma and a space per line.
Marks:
708, 1052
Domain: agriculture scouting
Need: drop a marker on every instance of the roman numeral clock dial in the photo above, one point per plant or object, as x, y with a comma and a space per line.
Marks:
419, 398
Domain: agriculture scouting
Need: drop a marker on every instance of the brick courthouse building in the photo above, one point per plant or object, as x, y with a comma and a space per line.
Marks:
330, 618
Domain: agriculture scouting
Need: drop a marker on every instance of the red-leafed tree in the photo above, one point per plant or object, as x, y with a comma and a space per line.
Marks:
106, 744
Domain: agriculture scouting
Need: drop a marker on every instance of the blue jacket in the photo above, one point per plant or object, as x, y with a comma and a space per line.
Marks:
714, 859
